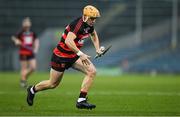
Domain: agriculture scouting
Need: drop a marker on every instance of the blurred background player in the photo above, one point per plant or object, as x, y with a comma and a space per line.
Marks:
67, 54
28, 45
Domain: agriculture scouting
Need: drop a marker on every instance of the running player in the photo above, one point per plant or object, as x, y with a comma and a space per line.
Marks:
28, 47
67, 54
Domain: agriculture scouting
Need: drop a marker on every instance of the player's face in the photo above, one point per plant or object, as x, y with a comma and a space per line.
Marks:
26, 25
91, 21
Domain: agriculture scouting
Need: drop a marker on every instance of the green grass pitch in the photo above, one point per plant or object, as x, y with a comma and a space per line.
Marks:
114, 95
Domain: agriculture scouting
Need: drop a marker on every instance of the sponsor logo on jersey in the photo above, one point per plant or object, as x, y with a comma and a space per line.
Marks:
28, 40
86, 30
81, 41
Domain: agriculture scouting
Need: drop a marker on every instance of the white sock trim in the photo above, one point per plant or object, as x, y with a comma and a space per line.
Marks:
32, 91
81, 99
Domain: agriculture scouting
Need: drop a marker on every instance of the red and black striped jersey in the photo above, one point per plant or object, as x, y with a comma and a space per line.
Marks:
81, 30
27, 39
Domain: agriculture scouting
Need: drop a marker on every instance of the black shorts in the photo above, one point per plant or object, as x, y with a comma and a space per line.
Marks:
61, 64
26, 57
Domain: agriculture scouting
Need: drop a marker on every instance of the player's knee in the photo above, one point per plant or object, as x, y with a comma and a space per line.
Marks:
23, 72
33, 68
53, 85
92, 73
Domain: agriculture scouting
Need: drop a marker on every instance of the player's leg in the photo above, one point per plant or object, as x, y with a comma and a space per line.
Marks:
28, 65
54, 80
31, 66
90, 73
24, 69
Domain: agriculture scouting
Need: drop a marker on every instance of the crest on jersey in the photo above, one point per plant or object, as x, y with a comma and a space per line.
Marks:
28, 40
81, 41
86, 30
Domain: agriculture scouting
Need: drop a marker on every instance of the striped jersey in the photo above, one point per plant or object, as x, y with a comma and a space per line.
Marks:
27, 39
81, 30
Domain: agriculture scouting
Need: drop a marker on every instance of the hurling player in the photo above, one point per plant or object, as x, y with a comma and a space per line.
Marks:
28, 46
68, 54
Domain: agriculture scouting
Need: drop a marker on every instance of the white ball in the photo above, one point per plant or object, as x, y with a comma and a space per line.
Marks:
102, 48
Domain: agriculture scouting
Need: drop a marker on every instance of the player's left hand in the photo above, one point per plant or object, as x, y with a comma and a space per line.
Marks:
16, 41
85, 59
100, 50
35, 51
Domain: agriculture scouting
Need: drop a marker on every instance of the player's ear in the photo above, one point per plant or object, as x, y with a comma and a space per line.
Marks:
85, 18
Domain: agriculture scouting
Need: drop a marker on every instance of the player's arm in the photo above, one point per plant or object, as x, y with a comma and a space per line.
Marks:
16, 41
71, 44
36, 45
95, 40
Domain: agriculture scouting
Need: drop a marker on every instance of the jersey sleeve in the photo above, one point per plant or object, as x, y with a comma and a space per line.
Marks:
18, 35
34, 35
75, 26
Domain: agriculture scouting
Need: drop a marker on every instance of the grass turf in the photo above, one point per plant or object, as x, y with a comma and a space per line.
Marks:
114, 95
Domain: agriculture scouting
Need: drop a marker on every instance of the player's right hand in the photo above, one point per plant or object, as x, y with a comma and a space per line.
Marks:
100, 51
85, 59
16, 41
35, 51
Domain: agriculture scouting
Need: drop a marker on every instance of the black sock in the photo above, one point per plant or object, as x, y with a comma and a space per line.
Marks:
23, 81
82, 94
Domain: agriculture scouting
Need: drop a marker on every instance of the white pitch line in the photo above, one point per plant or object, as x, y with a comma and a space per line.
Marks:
127, 93
132, 93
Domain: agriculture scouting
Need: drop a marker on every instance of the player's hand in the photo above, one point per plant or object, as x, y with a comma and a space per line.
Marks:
100, 50
16, 41
85, 59
35, 51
